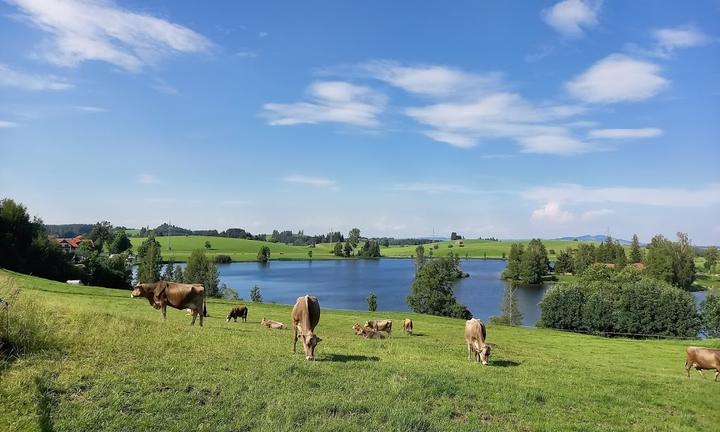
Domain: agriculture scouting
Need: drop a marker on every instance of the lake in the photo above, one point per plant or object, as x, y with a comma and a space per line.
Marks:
345, 284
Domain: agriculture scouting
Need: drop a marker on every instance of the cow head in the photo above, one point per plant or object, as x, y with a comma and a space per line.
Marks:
309, 341
357, 329
152, 292
483, 355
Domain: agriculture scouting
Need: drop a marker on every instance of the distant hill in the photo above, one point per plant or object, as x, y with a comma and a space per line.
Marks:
594, 238
68, 230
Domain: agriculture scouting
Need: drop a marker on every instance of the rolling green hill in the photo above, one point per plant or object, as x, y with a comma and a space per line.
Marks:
246, 250
98, 360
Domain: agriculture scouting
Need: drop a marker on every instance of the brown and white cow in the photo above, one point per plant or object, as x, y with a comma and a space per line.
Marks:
380, 325
367, 332
238, 312
702, 358
475, 335
408, 326
305, 316
162, 294
277, 325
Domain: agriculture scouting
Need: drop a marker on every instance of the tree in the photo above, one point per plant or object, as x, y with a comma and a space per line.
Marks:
178, 274
419, 257
534, 264
432, 290
263, 255
564, 262
710, 312
672, 262
347, 249
354, 237
255, 295
207, 244
371, 249
119, 242
584, 257
635, 252
511, 314
168, 273
100, 234
202, 270
512, 271
149, 261
310, 253
372, 302
711, 258
454, 236
338, 249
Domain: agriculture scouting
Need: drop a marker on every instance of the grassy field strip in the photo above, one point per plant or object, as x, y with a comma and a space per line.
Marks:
117, 366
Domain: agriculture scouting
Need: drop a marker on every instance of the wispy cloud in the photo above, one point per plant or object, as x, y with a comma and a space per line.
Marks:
664, 197
432, 188
618, 78
7, 124
551, 212
596, 214
245, 53
148, 179
571, 17
624, 133
90, 109
163, 87
263, 34
26, 81
317, 182
330, 101
669, 39
83, 30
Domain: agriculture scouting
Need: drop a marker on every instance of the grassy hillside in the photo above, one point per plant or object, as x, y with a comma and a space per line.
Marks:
110, 363
246, 250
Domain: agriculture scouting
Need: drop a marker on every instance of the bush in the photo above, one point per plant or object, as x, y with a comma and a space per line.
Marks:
263, 254
200, 269
561, 308
228, 293
222, 259
255, 295
372, 302
710, 310
432, 290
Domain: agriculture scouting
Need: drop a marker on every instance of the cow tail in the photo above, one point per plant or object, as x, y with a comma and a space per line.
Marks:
205, 314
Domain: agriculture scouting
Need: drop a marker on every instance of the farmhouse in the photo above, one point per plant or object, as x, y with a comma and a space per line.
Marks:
70, 245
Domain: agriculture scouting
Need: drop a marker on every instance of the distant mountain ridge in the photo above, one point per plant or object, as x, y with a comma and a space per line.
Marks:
594, 238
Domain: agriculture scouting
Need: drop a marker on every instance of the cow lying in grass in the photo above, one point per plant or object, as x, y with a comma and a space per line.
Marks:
702, 358
277, 325
367, 332
380, 325
162, 294
238, 312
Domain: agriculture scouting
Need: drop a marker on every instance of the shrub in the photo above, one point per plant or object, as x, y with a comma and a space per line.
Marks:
372, 302
255, 295
222, 259
263, 254
561, 308
710, 310
432, 290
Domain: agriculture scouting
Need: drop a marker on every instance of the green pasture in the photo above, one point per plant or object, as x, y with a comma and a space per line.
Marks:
100, 361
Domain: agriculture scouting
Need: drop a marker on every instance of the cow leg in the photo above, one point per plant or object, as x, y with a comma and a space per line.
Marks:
717, 372
700, 371
295, 335
469, 352
164, 311
202, 317
688, 366
194, 315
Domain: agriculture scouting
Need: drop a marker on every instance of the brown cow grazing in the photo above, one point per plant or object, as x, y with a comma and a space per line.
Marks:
408, 326
277, 325
380, 325
162, 294
367, 332
702, 358
238, 312
305, 316
475, 334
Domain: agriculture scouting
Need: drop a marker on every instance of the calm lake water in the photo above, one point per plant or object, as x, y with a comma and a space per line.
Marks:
345, 284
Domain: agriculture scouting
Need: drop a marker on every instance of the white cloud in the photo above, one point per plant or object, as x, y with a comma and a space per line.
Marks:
82, 30
551, 212
330, 101
498, 115
25, 81
668, 39
432, 188
7, 124
618, 78
559, 144
431, 80
624, 133
596, 214
663, 197
90, 109
163, 87
246, 54
148, 179
570, 17
263, 34
318, 182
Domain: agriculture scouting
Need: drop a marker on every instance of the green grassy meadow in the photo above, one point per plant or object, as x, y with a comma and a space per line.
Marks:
108, 362
179, 248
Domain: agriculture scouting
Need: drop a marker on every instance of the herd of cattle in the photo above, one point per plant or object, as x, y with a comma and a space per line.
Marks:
305, 317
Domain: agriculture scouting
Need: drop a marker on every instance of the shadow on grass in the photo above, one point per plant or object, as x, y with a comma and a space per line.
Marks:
344, 358
504, 363
418, 334
45, 401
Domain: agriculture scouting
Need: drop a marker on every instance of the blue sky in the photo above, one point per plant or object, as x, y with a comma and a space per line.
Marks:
401, 118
